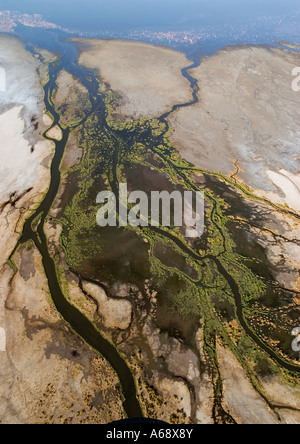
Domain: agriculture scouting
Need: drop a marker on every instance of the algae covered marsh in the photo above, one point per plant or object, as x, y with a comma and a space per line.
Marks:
168, 308
213, 281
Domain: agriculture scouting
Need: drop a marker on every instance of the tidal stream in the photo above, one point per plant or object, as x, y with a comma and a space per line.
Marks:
34, 230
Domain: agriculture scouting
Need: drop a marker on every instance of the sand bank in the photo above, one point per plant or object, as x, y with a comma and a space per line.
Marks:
20, 162
55, 133
148, 78
289, 184
247, 112
25, 155
240, 398
114, 313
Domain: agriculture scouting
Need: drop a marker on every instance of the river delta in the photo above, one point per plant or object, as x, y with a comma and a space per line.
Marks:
103, 324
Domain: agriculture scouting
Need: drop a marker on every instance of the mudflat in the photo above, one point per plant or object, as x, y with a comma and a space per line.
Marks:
25, 154
247, 119
147, 78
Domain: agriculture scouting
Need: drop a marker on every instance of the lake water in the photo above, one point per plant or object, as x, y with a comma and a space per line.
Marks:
208, 24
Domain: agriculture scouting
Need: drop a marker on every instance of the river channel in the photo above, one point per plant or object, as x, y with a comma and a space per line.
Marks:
34, 230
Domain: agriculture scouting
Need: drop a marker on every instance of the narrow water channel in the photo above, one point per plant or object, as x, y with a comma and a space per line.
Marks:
76, 320
78, 323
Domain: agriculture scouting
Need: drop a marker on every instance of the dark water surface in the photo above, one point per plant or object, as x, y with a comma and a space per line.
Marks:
79, 323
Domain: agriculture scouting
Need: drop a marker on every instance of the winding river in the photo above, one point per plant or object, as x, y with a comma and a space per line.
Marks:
34, 230
78, 323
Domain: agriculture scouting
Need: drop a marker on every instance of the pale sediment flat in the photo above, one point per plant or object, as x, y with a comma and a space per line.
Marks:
148, 78
240, 399
20, 168
25, 176
289, 183
248, 115
23, 85
281, 394
24, 168
67, 86
47, 120
115, 313
55, 133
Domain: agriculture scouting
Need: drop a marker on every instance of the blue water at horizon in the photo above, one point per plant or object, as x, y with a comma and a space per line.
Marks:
181, 24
